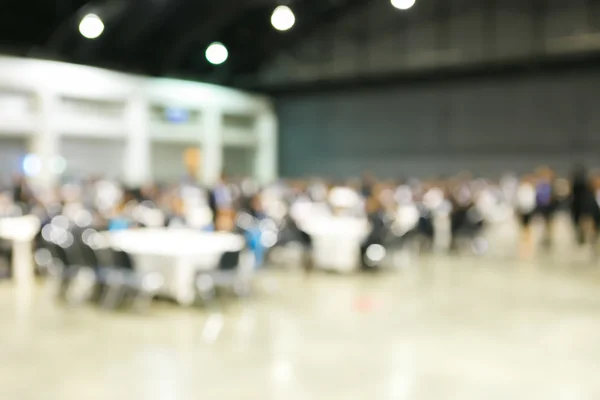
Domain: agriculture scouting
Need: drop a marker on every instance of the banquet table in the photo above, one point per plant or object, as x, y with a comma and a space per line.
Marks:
336, 241
177, 254
21, 231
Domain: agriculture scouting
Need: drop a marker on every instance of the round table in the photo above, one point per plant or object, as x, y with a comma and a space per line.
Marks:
21, 231
336, 241
178, 254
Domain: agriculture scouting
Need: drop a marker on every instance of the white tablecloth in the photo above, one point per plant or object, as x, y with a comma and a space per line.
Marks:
336, 241
21, 231
178, 254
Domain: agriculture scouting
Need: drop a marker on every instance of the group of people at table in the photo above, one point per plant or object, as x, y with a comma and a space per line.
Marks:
340, 226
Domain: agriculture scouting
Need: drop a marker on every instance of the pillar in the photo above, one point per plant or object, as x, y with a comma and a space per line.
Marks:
137, 168
212, 146
45, 142
267, 147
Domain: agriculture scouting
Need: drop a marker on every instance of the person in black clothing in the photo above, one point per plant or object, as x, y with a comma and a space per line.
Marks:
378, 230
22, 195
462, 204
584, 208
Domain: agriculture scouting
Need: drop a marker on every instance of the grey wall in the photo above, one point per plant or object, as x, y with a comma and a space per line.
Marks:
487, 125
239, 161
167, 160
12, 151
91, 156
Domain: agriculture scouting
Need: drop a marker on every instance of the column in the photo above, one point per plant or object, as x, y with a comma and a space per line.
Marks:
267, 147
45, 142
212, 146
137, 168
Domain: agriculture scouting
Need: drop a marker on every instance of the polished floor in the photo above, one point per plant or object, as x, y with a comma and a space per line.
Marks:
461, 327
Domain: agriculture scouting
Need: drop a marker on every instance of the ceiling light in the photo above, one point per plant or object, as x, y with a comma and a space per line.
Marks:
217, 53
283, 18
91, 26
403, 4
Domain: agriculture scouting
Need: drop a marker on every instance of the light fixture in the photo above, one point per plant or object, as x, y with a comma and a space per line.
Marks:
217, 53
32, 165
283, 18
403, 4
91, 26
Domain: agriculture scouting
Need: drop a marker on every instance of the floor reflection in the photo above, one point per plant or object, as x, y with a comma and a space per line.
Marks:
454, 328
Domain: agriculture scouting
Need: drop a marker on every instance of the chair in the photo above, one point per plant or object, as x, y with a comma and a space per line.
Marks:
5, 258
466, 226
122, 259
294, 244
52, 259
80, 275
233, 272
124, 287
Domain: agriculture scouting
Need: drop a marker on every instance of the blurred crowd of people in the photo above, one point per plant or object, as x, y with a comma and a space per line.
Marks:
277, 213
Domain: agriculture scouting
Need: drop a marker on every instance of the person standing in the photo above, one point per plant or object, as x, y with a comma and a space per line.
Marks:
584, 209
525, 208
546, 201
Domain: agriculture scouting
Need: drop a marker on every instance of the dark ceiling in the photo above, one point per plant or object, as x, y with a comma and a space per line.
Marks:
169, 37
160, 37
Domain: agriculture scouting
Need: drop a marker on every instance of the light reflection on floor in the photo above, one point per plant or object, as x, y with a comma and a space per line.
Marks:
461, 327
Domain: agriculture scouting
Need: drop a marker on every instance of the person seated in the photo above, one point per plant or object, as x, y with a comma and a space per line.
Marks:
345, 201
377, 234
407, 215
464, 219
224, 211
546, 203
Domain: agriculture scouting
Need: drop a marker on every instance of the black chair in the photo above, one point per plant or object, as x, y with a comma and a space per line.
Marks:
84, 273
422, 235
122, 286
229, 261
372, 252
229, 274
289, 235
466, 224
121, 259
5, 258
53, 260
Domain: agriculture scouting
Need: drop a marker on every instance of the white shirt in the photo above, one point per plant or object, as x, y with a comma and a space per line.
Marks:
526, 198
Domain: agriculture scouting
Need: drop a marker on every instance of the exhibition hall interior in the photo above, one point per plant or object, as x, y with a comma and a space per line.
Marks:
300, 199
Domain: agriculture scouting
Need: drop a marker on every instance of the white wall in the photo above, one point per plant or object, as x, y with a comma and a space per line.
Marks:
56, 103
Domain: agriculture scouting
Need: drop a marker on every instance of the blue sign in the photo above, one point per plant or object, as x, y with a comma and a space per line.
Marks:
177, 115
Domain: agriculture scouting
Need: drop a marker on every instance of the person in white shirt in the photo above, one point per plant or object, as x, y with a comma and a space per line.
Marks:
525, 207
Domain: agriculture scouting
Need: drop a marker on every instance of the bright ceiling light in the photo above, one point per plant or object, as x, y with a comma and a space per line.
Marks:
403, 4
91, 26
283, 18
217, 53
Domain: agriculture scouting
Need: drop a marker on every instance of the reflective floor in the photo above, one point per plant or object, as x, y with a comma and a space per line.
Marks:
442, 328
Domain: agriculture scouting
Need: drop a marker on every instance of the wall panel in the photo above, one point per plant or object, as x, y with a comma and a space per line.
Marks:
167, 160
12, 151
93, 157
486, 124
